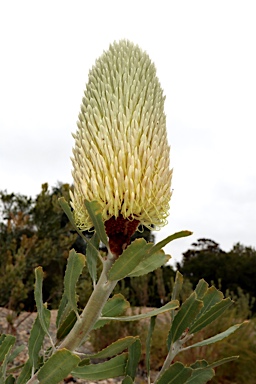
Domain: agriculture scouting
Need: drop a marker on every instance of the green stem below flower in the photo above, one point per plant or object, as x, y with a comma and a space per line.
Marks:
92, 310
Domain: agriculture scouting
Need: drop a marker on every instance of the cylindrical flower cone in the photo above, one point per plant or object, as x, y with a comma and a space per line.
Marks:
121, 155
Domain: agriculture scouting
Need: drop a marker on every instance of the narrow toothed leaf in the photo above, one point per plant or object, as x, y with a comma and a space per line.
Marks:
95, 211
129, 259
184, 317
112, 368
151, 263
43, 313
113, 349
75, 264
57, 367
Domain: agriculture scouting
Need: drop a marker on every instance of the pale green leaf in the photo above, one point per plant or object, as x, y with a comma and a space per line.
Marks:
211, 297
150, 263
129, 259
3, 366
175, 374
112, 368
177, 286
43, 313
214, 339
134, 353
59, 365
75, 264
66, 208
115, 306
184, 317
7, 342
63, 310
148, 342
95, 211
92, 254
35, 342
201, 376
201, 289
166, 308
113, 349
16, 352
66, 325
25, 374
223, 361
199, 364
168, 239
212, 314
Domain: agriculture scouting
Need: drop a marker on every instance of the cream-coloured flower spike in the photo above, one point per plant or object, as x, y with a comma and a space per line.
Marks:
121, 154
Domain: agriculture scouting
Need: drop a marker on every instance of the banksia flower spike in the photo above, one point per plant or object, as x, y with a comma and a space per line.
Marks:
121, 153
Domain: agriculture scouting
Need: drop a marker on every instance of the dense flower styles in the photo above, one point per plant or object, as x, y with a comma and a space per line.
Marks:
121, 154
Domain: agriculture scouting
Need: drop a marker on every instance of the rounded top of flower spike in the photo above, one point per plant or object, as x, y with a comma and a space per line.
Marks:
121, 154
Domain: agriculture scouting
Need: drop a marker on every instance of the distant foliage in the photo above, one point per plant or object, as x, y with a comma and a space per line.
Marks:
229, 271
32, 232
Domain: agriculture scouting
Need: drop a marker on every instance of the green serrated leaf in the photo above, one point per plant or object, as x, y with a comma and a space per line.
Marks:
25, 374
184, 317
211, 297
113, 349
201, 376
66, 208
176, 374
129, 259
75, 264
223, 361
59, 365
16, 352
66, 326
165, 308
94, 209
35, 342
199, 364
148, 342
112, 368
62, 311
177, 286
168, 239
150, 263
92, 256
201, 289
214, 339
134, 353
7, 343
3, 367
84, 362
208, 317
43, 313
115, 306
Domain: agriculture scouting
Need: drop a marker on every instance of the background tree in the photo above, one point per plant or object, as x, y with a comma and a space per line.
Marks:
231, 270
32, 233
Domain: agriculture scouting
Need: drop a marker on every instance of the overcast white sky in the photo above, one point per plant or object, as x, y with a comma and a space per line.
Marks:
205, 56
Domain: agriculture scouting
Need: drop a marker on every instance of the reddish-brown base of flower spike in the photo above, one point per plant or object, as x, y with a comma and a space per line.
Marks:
119, 231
